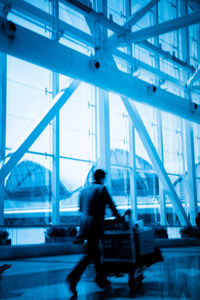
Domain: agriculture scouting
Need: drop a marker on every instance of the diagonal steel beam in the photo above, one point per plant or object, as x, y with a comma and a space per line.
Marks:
153, 155
131, 21
194, 77
60, 99
146, 33
138, 15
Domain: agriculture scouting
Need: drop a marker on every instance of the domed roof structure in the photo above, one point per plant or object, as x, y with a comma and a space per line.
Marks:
146, 179
30, 179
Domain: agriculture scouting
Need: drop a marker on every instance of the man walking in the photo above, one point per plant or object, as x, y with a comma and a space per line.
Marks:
93, 201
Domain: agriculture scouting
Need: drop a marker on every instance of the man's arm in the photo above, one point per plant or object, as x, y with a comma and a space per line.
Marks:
111, 204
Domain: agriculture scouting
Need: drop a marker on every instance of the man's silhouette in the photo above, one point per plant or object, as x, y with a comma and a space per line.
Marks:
93, 201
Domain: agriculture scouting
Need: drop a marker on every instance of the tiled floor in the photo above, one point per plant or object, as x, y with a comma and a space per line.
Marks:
178, 277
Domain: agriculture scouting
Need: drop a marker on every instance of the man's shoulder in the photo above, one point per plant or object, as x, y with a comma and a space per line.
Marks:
91, 187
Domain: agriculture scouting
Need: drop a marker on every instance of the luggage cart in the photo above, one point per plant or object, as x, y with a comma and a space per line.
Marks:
129, 250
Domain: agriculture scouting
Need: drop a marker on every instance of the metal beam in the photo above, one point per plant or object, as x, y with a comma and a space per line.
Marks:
79, 66
133, 174
55, 128
138, 15
163, 211
83, 6
194, 77
138, 64
195, 5
154, 157
191, 173
104, 132
166, 55
3, 76
38, 128
102, 106
3, 81
159, 138
146, 33
45, 19
131, 21
65, 29
74, 33
189, 137
132, 159
96, 16
69, 31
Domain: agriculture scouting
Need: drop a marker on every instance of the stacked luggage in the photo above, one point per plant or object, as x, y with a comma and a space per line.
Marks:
129, 249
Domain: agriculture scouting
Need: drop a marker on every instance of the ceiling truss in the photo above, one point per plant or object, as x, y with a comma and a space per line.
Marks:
119, 32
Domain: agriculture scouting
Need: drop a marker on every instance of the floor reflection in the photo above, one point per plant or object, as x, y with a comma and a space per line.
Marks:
175, 278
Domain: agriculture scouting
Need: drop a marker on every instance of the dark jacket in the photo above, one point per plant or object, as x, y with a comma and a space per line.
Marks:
93, 201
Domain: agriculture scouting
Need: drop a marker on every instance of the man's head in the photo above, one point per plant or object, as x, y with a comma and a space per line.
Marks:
99, 176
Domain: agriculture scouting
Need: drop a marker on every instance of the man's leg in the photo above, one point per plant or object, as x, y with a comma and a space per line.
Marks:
80, 267
95, 255
75, 274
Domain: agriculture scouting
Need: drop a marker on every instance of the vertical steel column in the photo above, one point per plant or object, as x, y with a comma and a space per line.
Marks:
191, 171
132, 161
189, 139
182, 126
198, 130
3, 88
55, 128
133, 182
160, 134
185, 189
161, 155
103, 106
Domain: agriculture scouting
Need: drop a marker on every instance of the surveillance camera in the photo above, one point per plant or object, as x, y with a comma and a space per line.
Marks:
94, 64
151, 89
9, 29
193, 106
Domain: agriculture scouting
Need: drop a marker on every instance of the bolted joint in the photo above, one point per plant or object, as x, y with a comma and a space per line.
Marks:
6, 10
9, 29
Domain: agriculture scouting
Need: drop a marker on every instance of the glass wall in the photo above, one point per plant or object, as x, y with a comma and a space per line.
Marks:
28, 186
77, 145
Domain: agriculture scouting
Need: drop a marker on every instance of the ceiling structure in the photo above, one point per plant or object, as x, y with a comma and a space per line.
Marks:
97, 68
